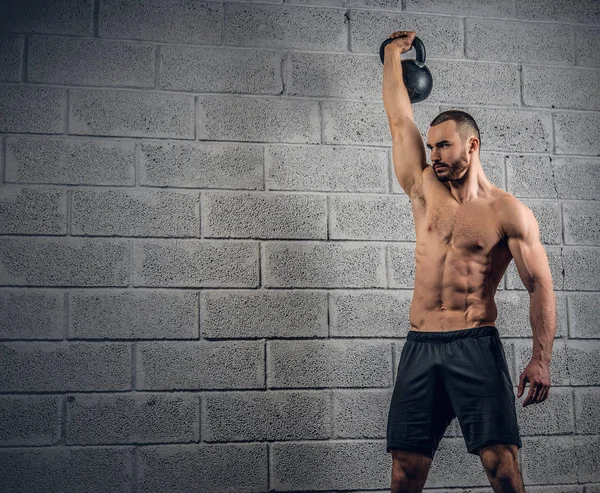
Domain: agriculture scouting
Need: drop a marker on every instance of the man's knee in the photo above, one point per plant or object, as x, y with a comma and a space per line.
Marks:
409, 471
501, 462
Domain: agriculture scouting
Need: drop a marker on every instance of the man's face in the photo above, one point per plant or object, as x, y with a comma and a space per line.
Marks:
449, 156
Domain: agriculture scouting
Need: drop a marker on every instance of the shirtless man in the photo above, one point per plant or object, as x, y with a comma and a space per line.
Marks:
453, 362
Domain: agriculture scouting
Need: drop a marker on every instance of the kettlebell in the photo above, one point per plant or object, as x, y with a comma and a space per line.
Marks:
417, 77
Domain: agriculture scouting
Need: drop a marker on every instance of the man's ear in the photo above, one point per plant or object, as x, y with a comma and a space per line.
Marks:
472, 144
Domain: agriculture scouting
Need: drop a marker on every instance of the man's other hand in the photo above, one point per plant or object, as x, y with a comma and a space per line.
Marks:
537, 373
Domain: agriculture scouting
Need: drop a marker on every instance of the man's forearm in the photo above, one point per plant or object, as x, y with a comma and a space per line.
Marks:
395, 96
542, 313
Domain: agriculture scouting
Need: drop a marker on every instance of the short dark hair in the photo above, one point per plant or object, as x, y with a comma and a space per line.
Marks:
465, 123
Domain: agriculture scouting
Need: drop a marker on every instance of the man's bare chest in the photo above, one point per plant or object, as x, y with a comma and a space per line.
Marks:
471, 227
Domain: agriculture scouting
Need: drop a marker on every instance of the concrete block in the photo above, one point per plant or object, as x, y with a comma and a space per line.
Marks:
271, 415
349, 122
66, 17
582, 12
373, 313
334, 75
90, 62
133, 314
243, 118
581, 265
216, 69
368, 28
587, 450
454, 466
119, 212
32, 109
493, 167
577, 178
263, 313
328, 363
73, 469
587, 46
268, 26
582, 226
176, 22
557, 489
549, 460
139, 418
401, 265
69, 161
57, 367
560, 370
583, 315
30, 420
493, 8
514, 318
549, 220
583, 362
465, 82
32, 314
320, 264
377, 4
556, 262
587, 402
33, 211
577, 133
30, 261
195, 263
511, 130
371, 217
516, 41
266, 215
531, 176
554, 416
201, 165
330, 465
216, 468
191, 365
131, 113
555, 80
361, 414
11, 54
325, 169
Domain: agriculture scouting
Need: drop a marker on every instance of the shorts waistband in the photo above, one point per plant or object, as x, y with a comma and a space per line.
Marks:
452, 335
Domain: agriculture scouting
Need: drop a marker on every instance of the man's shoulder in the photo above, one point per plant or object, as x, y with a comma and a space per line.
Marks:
513, 215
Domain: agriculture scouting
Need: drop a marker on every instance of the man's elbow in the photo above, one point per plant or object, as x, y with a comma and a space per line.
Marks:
539, 284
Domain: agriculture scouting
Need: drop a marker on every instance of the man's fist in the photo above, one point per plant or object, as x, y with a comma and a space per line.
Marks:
402, 41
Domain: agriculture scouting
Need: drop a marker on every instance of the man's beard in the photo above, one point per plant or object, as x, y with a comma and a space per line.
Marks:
454, 170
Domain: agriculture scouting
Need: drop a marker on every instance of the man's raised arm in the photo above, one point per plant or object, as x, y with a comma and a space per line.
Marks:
408, 151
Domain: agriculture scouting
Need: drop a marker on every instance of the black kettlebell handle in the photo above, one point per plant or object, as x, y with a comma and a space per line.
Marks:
417, 44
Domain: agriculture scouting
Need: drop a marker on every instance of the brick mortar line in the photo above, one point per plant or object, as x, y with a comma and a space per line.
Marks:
564, 341
192, 192
159, 140
249, 289
417, 13
151, 91
319, 441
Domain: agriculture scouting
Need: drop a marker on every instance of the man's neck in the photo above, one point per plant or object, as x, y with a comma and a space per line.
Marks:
473, 185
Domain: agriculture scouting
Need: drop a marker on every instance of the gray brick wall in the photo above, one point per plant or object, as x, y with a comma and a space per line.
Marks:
206, 262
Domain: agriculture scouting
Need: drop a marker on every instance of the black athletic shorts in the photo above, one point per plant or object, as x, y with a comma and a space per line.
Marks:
443, 375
